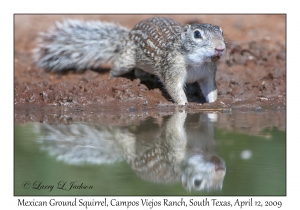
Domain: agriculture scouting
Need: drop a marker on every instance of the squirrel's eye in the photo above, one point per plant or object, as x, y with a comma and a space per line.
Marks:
197, 182
197, 35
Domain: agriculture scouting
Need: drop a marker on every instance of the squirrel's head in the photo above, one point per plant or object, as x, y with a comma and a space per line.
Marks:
203, 173
202, 42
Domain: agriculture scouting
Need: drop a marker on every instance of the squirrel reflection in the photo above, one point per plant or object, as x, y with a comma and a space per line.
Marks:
166, 154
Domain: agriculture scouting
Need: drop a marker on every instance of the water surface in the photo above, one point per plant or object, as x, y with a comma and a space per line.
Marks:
180, 154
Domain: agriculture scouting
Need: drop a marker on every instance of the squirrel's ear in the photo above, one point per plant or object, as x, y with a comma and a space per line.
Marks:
184, 32
185, 37
186, 27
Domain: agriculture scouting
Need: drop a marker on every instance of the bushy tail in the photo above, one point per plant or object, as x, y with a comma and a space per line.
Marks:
79, 45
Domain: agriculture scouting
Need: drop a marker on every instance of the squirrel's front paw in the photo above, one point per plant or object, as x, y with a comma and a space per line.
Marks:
212, 96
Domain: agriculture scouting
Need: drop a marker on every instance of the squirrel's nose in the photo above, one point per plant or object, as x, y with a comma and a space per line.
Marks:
219, 51
219, 48
218, 163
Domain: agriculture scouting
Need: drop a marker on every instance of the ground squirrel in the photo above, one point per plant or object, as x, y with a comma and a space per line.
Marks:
176, 54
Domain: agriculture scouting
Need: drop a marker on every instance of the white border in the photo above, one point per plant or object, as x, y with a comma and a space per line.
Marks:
8, 8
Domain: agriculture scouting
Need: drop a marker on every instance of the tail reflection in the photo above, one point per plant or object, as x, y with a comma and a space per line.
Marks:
183, 149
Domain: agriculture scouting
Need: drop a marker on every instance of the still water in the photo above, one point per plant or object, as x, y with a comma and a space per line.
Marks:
180, 154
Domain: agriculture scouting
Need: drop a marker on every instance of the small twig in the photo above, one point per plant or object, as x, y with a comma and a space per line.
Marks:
211, 109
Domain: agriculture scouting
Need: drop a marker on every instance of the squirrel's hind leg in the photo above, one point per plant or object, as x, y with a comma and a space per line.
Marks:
124, 62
